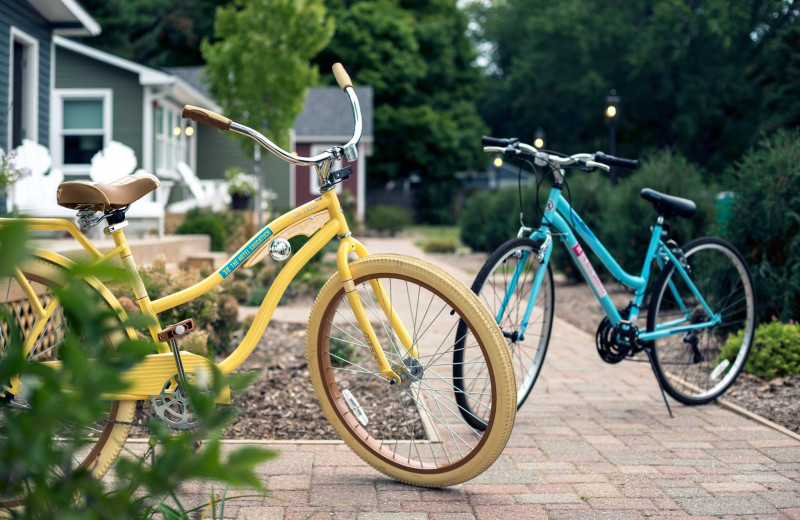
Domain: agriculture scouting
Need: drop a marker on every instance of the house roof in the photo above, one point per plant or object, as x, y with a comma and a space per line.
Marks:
181, 89
67, 17
326, 111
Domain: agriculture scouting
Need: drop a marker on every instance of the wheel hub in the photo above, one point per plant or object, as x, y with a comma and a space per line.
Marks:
411, 370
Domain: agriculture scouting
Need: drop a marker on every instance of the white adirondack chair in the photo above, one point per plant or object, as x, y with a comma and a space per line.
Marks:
118, 160
212, 194
34, 195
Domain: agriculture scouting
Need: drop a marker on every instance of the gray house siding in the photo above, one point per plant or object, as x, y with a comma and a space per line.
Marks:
218, 151
76, 71
20, 14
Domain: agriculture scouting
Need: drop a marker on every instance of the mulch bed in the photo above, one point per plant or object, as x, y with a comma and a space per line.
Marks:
280, 404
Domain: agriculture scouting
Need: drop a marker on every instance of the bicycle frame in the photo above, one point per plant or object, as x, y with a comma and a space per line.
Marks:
321, 219
560, 219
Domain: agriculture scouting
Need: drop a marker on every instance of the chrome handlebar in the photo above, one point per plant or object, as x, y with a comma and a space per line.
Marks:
543, 159
349, 150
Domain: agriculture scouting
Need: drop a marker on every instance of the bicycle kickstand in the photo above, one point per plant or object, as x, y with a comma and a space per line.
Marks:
649, 353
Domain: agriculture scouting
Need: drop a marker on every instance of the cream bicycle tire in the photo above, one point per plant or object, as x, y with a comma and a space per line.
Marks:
44, 274
460, 303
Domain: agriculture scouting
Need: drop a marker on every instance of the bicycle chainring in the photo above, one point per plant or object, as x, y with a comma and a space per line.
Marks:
606, 340
172, 405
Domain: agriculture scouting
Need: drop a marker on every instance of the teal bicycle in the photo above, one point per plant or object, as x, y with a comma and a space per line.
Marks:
702, 300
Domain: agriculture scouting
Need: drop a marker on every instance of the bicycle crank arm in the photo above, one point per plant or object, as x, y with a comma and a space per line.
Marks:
148, 378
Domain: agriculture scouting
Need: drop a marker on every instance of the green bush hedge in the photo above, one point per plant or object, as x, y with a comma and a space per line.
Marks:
388, 218
765, 222
226, 228
775, 352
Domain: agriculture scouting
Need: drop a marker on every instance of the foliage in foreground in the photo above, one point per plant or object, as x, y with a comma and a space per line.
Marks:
34, 456
775, 351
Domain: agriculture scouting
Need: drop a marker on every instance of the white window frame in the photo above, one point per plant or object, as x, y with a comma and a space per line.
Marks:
58, 133
313, 179
182, 147
31, 108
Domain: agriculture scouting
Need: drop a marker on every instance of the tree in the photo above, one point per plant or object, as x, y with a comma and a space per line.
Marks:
418, 58
690, 72
157, 33
258, 70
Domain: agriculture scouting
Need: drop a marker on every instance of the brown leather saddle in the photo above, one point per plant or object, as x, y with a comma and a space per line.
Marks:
106, 197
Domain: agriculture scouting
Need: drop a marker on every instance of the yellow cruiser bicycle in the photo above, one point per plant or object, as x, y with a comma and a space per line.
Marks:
389, 394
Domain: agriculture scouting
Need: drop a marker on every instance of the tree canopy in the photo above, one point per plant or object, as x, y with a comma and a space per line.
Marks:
157, 33
703, 76
259, 67
417, 56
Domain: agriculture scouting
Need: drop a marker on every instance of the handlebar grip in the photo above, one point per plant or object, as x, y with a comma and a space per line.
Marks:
497, 141
206, 117
341, 76
610, 160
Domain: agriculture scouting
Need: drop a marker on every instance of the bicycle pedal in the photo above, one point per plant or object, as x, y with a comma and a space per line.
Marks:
178, 329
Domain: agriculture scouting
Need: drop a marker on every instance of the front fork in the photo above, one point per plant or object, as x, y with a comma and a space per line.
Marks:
351, 245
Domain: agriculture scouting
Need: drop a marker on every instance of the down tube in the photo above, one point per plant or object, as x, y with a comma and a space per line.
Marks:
581, 260
276, 290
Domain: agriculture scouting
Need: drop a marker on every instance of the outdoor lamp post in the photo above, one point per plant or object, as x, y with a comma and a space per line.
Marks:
538, 138
612, 114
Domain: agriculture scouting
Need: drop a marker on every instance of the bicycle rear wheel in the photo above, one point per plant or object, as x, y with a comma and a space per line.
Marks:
697, 366
412, 431
101, 442
493, 287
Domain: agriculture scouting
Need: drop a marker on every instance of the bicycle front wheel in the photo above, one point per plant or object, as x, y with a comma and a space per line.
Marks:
412, 431
697, 366
508, 304
99, 443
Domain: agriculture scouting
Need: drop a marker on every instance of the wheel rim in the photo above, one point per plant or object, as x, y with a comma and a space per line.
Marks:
693, 364
415, 426
527, 354
16, 302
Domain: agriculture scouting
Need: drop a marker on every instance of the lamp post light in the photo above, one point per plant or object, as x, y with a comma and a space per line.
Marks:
538, 138
612, 114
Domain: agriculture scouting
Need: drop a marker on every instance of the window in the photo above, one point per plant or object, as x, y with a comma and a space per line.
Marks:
173, 142
23, 98
82, 120
313, 179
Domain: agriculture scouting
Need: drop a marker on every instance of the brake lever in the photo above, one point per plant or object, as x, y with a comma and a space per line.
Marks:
595, 165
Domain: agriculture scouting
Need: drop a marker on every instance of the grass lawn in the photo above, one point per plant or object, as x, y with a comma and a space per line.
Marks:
428, 232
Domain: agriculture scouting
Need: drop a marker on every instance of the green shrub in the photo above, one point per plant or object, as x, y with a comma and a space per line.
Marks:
238, 289
257, 296
226, 228
489, 218
198, 222
214, 311
342, 351
440, 245
775, 351
764, 222
388, 218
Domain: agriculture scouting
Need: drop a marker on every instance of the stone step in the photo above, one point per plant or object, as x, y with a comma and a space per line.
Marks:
176, 249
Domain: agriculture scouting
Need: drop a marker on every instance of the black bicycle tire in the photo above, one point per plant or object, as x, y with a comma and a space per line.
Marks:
477, 284
658, 290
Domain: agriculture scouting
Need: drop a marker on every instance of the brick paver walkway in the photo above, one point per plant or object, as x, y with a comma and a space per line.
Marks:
593, 441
